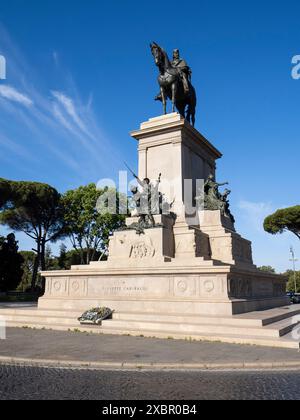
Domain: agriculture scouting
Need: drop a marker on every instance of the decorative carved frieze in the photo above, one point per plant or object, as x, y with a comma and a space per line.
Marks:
142, 250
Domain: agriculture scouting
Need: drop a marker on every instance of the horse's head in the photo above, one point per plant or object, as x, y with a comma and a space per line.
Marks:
157, 53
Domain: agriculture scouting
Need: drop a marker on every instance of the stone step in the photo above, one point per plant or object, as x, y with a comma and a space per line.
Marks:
46, 320
283, 342
235, 320
283, 327
40, 312
146, 321
259, 320
270, 316
262, 318
77, 327
55, 319
255, 319
242, 329
186, 319
275, 330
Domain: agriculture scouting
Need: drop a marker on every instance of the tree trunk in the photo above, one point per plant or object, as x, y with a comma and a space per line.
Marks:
296, 233
81, 253
82, 262
43, 251
43, 263
88, 256
102, 255
36, 266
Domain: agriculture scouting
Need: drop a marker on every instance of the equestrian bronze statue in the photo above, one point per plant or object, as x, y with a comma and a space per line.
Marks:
175, 83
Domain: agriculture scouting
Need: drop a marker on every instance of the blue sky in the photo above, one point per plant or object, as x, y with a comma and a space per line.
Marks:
80, 76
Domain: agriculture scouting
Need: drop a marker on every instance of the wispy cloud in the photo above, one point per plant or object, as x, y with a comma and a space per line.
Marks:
255, 213
12, 94
55, 58
60, 117
78, 119
60, 123
16, 148
70, 109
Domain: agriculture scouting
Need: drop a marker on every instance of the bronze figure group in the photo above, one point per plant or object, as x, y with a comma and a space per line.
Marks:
214, 200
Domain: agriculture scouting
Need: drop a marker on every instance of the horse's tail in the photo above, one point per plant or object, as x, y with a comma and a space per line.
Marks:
192, 105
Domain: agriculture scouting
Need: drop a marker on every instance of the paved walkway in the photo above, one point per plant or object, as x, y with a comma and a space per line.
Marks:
80, 349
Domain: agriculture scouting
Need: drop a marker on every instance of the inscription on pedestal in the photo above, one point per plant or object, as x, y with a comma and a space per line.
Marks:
122, 289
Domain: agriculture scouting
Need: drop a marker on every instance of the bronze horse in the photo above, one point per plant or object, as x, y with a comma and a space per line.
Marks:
171, 86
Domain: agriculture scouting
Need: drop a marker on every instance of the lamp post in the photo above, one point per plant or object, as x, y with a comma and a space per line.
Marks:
294, 260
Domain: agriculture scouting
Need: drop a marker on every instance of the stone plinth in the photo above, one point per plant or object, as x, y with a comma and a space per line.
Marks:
225, 244
203, 288
154, 246
190, 242
171, 146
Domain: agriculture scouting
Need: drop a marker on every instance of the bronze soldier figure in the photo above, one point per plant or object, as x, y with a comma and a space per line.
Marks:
147, 202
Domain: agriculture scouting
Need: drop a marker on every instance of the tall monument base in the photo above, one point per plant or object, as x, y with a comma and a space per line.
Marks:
192, 275
191, 264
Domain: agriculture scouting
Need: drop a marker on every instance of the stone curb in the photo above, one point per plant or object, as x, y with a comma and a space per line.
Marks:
51, 363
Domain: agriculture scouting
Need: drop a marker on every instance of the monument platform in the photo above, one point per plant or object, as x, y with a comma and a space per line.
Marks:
192, 287
271, 328
190, 276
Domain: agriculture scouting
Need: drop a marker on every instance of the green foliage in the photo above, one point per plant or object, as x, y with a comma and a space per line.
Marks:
45, 216
69, 258
284, 220
74, 257
10, 264
35, 209
88, 229
27, 268
51, 262
267, 269
291, 281
5, 192
62, 259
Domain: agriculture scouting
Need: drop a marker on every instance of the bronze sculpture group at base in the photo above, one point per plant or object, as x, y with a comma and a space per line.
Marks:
214, 200
146, 204
149, 202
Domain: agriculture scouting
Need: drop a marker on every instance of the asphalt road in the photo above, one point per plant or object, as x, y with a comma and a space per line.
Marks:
35, 383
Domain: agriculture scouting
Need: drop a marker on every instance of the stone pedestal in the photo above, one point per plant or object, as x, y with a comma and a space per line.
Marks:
171, 146
225, 244
153, 247
190, 242
193, 263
